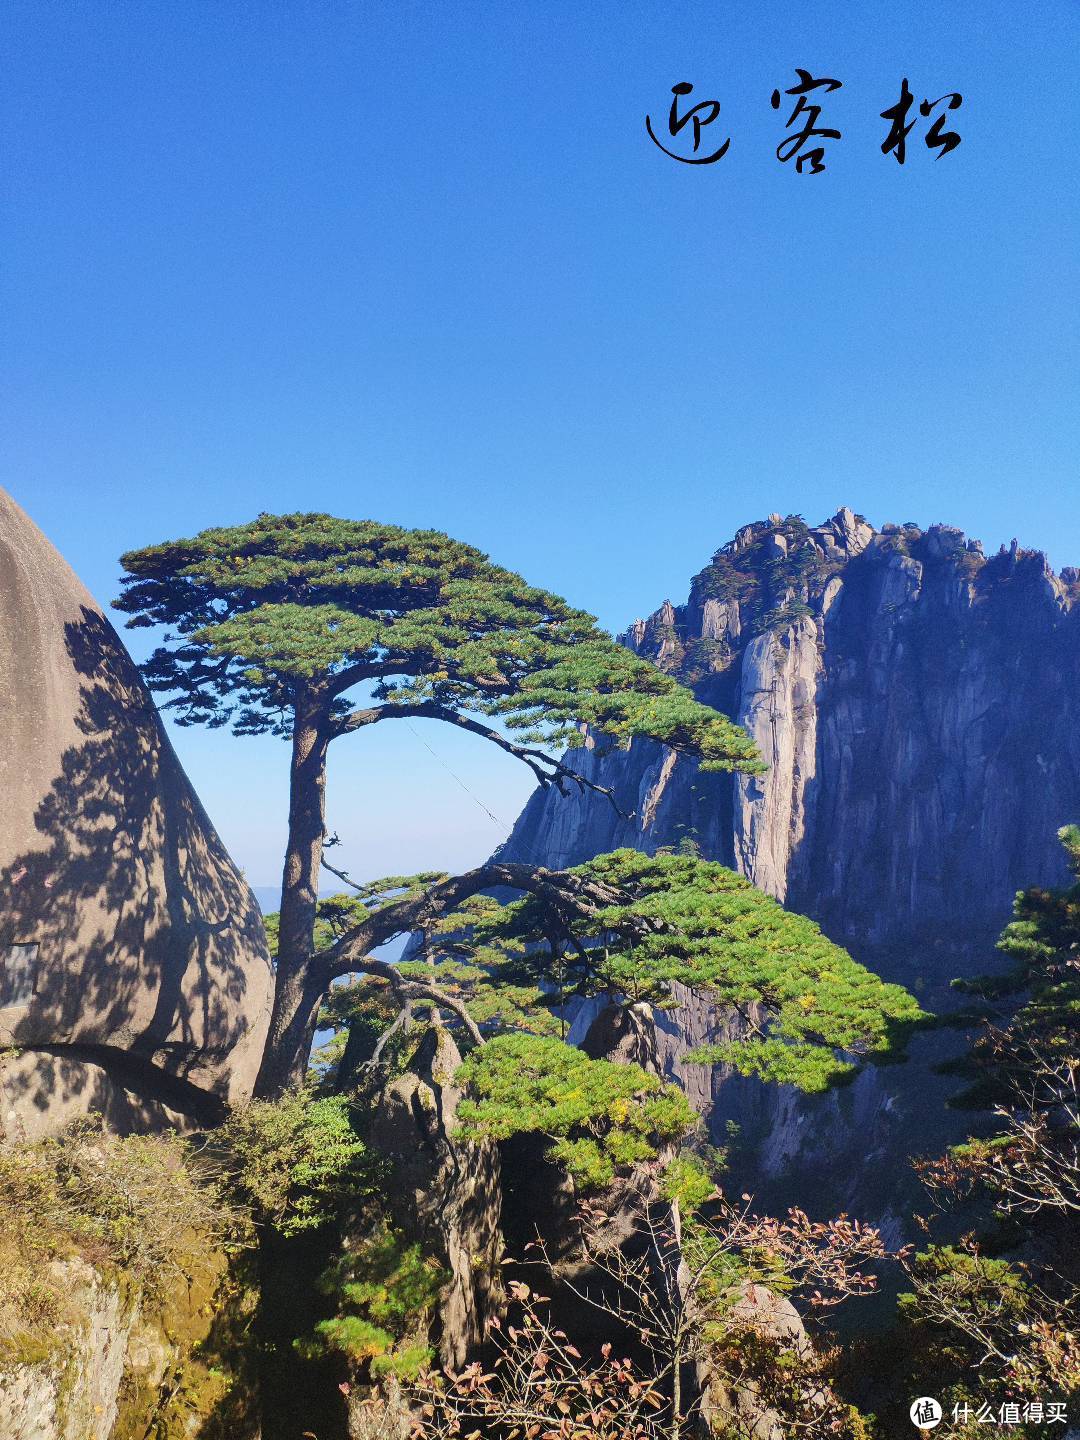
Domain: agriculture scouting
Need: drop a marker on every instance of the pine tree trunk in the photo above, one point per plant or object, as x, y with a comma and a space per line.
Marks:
292, 1029
298, 989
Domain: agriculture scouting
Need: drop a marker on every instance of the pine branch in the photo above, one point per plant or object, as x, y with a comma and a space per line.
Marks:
548, 771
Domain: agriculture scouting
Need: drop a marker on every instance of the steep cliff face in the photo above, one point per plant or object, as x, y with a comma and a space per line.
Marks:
74, 1392
116, 1368
916, 704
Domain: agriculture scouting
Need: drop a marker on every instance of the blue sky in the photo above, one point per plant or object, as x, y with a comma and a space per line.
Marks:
422, 263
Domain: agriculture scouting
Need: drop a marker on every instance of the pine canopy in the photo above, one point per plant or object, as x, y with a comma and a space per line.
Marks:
810, 1013
1043, 942
600, 1117
431, 626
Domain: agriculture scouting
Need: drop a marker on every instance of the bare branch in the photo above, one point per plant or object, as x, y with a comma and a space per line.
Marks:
547, 770
566, 894
401, 1023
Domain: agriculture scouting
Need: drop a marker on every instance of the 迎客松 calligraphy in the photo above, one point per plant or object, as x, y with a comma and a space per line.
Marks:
690, 144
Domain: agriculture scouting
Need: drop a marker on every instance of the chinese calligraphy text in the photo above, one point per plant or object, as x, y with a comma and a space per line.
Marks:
685, 131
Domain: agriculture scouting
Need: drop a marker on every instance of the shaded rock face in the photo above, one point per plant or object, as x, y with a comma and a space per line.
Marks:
134, 973
43, 1089
624, 1036
450, 1191
916, 704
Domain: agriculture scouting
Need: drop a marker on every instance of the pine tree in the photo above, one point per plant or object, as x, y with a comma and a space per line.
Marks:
279, 625
1006, 1299
626, 928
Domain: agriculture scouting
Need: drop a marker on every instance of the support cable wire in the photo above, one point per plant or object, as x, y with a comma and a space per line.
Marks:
506, 829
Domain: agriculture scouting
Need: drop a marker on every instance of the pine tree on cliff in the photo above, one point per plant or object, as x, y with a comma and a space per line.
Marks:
278, 625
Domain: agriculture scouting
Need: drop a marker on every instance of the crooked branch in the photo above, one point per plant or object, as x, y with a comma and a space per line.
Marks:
566, 895
548, 771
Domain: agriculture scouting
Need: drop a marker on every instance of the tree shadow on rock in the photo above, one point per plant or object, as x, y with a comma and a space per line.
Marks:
149, 941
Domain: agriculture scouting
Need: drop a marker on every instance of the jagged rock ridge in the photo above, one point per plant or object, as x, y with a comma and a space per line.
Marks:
915, 701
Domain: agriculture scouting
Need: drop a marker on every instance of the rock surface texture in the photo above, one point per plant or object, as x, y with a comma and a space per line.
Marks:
134, 973
449, 1191
916, 703
116, 1370
75, 1393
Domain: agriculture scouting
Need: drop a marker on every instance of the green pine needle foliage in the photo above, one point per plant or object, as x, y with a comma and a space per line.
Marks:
386, 1290
1043, 942
602, 1118
811, 1012
255, 612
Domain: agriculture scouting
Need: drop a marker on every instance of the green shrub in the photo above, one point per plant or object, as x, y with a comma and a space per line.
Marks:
296, 1160
386, 1290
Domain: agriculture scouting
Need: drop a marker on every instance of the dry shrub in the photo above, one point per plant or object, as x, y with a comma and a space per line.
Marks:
138, 1208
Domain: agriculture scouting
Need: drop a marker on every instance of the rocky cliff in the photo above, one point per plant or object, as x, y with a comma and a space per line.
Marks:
915, 701
116, 1367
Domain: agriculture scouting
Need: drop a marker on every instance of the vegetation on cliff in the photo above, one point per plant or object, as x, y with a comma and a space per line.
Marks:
134, 1207
1005, 1300
119, 1304
503, 975
313, 628
992, 1314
